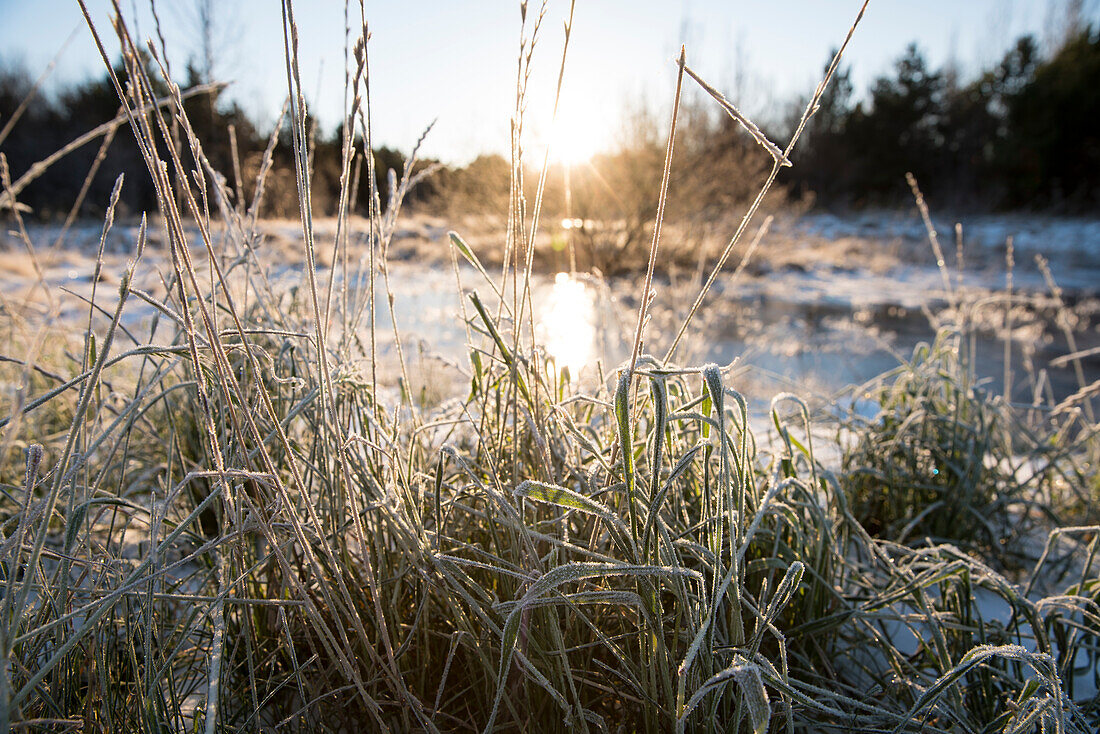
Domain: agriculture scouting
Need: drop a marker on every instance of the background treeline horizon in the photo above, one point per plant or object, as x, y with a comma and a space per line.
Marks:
1021, 134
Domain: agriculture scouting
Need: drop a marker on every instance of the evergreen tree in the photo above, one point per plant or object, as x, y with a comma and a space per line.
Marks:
899, 131
1054, 155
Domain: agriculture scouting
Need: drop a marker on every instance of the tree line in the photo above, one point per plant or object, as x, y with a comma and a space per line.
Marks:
1021, 134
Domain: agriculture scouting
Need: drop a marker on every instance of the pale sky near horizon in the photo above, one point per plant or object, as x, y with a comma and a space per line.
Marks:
455, 60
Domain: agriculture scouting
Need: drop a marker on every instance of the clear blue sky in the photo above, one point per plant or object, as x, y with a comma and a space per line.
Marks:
455, 60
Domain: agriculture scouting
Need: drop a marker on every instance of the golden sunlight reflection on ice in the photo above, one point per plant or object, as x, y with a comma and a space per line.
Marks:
567, 323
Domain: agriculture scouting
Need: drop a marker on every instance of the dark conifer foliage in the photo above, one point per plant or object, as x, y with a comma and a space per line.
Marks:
1022, 134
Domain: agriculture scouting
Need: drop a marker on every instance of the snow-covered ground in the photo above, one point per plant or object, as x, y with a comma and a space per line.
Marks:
828, 301
1071, 245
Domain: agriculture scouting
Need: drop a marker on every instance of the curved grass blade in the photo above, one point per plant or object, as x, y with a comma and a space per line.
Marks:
751, 684
567, 499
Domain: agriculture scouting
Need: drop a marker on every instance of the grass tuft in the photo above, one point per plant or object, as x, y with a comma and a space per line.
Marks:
233, 512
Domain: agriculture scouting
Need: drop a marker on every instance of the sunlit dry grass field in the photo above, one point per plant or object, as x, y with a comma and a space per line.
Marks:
235, 498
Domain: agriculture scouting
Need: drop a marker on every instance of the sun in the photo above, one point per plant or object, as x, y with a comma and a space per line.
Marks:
572, 140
